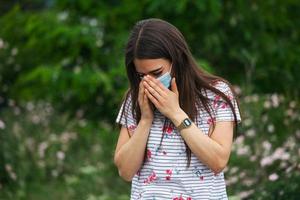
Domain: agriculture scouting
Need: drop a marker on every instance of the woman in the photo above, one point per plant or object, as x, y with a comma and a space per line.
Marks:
177, 120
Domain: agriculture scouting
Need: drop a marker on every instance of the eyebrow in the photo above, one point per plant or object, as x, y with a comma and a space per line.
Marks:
155, 70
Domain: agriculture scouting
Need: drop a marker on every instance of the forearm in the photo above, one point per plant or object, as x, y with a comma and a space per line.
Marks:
206, 149
130, 156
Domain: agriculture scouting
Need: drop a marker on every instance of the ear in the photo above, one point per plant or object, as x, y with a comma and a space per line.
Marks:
174, 86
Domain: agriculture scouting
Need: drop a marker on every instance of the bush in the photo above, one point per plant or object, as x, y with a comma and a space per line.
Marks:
45, 152
264, 163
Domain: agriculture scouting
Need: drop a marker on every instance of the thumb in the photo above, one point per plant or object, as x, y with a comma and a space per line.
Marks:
174, 86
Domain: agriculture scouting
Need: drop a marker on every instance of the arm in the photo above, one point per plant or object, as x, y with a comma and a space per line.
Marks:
130, 151
213, 151
129, 154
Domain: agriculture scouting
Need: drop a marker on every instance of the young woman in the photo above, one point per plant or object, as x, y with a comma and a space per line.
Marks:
177, 120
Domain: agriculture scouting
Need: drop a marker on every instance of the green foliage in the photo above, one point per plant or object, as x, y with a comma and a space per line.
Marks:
71, 54
42, 152
89, 36
265, 160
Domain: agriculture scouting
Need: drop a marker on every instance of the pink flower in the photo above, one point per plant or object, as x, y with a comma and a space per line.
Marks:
138, 173
168, 129
211, 120
131, 128
169, 171
218, 103
148, 154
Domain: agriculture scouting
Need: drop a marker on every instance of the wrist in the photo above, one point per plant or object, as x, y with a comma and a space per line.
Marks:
178, 117
146, 121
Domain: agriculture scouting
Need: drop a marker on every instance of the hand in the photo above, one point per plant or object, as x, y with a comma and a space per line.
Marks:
145, 104
165, 100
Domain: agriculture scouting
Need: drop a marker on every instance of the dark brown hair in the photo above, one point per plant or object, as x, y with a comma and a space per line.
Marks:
155, 38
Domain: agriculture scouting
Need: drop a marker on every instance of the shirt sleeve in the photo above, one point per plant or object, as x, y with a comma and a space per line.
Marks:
221, 107
125, 116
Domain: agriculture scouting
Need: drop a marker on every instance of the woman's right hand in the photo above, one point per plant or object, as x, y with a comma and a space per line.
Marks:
145, 104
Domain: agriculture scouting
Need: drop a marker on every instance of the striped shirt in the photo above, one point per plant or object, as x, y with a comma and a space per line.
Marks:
164, 174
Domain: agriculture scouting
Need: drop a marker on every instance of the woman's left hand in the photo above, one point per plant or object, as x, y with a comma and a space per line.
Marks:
165, 100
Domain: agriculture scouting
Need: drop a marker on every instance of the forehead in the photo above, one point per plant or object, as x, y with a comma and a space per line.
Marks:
147, 65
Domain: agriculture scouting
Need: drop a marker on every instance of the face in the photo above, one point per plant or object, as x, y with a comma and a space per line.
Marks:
152, 67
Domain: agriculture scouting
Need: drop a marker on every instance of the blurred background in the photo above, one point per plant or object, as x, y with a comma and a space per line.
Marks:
62, 79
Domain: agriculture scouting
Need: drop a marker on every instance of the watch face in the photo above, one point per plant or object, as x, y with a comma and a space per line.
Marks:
187, 122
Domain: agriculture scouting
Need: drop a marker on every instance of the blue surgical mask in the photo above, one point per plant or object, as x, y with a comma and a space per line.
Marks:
165, 79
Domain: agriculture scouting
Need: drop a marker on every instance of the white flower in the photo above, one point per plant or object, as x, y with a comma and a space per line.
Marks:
266, 161
267, 104
273, 177
280, 154
60, 155
250, 133
275, 100
14, 51
41, 149
271, 128
247, 122
243, 150
2, 124
1, 43
93, 22
245, 194
29, 106
63, 16
266, 145
240, 140
54, 173
293, 104
255, 98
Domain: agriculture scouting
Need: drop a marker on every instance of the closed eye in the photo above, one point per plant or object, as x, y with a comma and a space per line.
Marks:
157, 73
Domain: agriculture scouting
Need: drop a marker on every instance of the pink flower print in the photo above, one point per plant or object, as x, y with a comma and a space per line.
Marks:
131, 128
164, 152
179, 198
152, 177
211, 120
138, 173
168, 129
201, 178
169, 171
169, 174
149, 154
218, 103
189, 198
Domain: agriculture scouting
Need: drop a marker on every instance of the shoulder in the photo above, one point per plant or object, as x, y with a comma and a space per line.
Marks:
222, 86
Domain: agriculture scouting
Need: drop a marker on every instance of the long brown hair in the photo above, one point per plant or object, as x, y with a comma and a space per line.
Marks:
155, 38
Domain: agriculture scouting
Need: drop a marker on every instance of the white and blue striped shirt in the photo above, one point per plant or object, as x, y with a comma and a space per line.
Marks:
164, 175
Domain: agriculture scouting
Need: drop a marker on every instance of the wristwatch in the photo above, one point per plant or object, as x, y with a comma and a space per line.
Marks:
187, 122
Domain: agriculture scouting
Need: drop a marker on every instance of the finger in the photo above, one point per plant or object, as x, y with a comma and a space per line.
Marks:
141, 91
153, 91
157, 85
152, 98
145, 98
